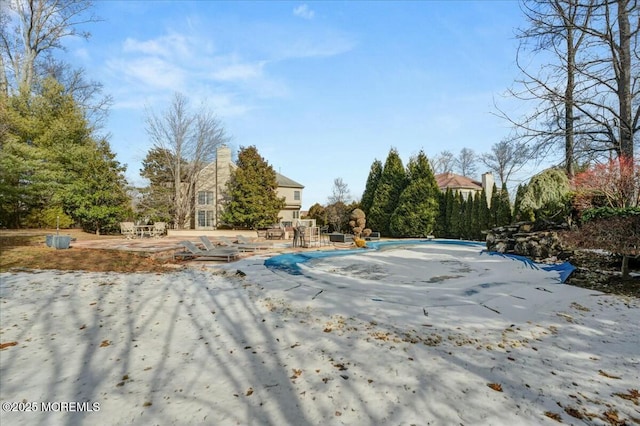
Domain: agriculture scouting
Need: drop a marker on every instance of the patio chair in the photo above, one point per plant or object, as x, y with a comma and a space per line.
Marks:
324, 235
227, 242
243, 240
302, 231
296, 236
193, 252
159, 229
128, 229
206, 242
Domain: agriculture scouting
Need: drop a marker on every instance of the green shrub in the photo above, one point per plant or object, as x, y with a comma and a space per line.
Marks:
48, 218
608, 212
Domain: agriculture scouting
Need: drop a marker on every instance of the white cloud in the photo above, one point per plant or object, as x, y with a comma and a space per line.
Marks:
167, 46
82, 54
332, 45
303, 11
238, 71
226, 105
146, 74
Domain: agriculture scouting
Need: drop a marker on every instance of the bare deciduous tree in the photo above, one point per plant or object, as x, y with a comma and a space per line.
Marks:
32, 28
443, 162
191, 139
88, 94
505, 158
553, 30
614, 70
466, 162
340, 192
588, 96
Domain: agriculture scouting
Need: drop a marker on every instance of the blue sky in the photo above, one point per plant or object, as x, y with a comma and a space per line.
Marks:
322, 89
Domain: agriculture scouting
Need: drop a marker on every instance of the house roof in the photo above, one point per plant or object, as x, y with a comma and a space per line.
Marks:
454, 181
285, 182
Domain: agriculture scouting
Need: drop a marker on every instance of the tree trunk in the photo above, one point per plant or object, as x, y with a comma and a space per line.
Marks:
625, 267
568, 104
624, 81
4, 83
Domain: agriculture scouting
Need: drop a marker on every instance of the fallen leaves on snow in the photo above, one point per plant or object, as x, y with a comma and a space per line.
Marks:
495, 386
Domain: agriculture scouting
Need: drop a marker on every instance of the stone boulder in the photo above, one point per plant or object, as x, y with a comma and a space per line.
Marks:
524, 238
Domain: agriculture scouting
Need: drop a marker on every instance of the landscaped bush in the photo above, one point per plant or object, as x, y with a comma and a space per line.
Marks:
547, 197
616, 230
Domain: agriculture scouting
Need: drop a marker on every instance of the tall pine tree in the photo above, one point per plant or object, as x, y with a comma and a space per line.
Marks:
47, 154
392, 182
484, 220
476, 216
417, 210
495, 207
518, 214
251, 200
503, 207
457, 227
370, 189
442, 227
467, 223
98, 200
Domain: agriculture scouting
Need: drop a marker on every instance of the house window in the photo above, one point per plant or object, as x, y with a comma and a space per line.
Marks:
296, 214
205, 197
296, 195
205, 218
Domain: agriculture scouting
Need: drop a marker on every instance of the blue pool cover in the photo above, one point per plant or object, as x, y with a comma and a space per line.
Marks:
289, 262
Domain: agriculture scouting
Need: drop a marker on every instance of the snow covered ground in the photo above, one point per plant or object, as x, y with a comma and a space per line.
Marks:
411, 334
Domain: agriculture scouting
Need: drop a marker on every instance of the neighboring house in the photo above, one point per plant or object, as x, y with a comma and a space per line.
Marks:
212, 183
292, 193
467, 187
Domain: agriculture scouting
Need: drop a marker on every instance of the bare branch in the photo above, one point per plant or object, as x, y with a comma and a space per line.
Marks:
189, 141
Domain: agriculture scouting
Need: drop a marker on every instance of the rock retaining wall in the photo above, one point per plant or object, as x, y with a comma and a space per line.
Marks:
523, 239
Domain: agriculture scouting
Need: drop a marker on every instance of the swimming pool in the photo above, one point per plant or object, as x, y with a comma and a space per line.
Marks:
291, 262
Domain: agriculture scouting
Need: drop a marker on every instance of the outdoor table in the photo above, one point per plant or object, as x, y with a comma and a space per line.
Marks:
144, 229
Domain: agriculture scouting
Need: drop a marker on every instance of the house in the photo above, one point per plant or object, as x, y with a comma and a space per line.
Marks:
292, 193
466, 186
211, 185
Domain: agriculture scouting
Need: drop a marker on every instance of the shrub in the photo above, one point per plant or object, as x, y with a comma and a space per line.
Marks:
616, 230
547, 197
49, 217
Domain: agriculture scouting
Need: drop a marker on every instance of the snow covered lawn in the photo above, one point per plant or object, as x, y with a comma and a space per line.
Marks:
406, 335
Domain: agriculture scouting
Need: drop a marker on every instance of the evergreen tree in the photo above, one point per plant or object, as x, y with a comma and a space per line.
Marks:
251, 199
442, 228
518, 214
495, 207
457, 216
418, 206
392, 182
476, 216
48, 146
467, 222
370, 188
484, 214
319, 213
547, 196
18, 161
157, 201
450, 201
98, 199
503, 210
